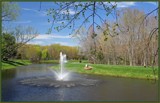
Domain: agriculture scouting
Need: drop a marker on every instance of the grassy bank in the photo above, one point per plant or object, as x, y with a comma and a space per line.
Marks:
57, 61
14, 63
113, 70
50, 61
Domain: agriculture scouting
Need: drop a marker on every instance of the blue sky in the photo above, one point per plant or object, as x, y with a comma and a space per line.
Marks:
31, 16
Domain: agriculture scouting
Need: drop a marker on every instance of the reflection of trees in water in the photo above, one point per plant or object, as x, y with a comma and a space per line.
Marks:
35, 69
8, 74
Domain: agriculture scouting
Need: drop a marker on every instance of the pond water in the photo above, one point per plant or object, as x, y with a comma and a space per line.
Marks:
109, 89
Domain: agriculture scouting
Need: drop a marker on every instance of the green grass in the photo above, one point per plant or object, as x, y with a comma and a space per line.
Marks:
14, 63
50, 61
114, 70
82, 61
57, 61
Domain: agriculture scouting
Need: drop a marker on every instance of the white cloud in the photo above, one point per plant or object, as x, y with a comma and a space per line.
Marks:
36, 42
48, 39
42, 13
43, 42
27, 9
62, 43
22, 22
125, 4
51, 36
70, 11
122, 4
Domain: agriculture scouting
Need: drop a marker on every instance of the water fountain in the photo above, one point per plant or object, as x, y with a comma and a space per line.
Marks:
62, 75
60, 78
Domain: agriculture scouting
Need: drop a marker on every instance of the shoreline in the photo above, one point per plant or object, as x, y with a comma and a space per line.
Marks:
12, 64
135, 72
118, 76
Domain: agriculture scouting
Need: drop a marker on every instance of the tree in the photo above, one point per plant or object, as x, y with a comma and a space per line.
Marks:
71, 12
44, 54
10, 11
33, 53
130, 47
8, 44
22, 35
130, 20
36, 52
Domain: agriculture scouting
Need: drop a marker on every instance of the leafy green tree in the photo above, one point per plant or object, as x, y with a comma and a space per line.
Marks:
33, 52
8, 46
44, 54
10, 11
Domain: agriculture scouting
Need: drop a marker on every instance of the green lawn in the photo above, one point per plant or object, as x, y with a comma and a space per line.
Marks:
113, 70
50, 61
14, 63
57, 61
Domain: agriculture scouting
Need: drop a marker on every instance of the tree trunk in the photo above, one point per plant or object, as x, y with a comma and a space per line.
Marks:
108, 61
130, 56
145, 59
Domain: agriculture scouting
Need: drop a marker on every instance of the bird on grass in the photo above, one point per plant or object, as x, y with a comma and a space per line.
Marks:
87, 67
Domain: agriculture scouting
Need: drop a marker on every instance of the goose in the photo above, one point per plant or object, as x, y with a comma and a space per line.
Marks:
87, 67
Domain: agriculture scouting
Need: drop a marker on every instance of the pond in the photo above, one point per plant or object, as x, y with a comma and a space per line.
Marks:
109, 89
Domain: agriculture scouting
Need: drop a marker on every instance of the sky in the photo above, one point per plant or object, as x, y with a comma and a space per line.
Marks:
31, 16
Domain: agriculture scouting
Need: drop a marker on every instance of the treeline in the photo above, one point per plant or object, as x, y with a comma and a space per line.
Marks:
11, 49
133, 42
35, 53
14, 46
